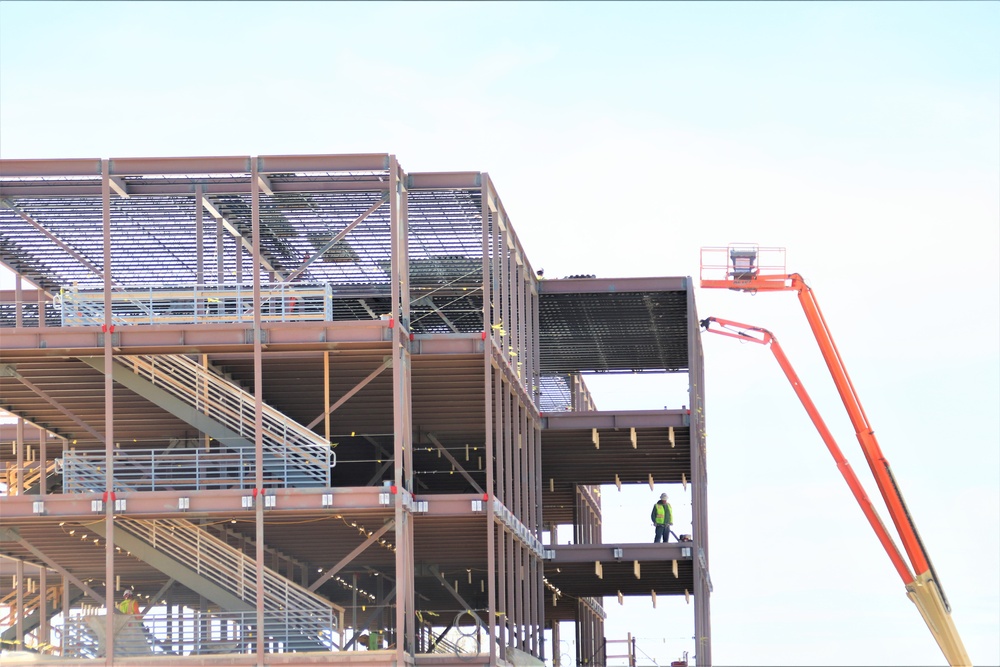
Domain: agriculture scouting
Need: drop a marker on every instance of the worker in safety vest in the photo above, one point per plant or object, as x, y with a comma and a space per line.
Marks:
662, 517
128, 605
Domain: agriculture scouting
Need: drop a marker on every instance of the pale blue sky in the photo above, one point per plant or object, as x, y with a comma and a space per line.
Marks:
864, 137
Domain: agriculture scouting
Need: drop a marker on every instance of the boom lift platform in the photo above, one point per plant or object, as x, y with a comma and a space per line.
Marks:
749, 268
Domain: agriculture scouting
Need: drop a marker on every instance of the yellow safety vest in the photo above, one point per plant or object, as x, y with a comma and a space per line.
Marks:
662, 515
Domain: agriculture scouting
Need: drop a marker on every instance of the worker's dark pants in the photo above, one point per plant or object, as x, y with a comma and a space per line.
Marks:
662, 533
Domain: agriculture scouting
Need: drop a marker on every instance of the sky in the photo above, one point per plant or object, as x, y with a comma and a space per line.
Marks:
622, 137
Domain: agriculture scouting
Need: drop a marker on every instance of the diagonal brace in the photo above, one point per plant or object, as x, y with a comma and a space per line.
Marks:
336, 239
8, 533
52, 237
343, 399
454, 462
11, 372
351, 556
436, 571
371, 617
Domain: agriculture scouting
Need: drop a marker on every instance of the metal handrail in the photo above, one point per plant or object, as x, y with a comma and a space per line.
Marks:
280, 302
224, 565
221, 632
159, 469
229, 404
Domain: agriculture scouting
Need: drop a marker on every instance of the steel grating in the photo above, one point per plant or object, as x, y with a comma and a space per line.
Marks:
613, 332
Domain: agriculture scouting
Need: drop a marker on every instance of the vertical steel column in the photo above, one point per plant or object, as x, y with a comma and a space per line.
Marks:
699, 485
402, 438
513, 609
19, 458
19, 602
220, 251
18, 298
491, 564
527, 617
532, 367
556, 657
65, 611
326, 395
109, 416
258, 393
43, 606
199, 236
239, 259
40, 297
43, 471
501, 573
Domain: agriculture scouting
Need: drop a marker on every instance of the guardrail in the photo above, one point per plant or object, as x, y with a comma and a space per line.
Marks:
281, 302
159, 470
196, 633
223, 565
292, 452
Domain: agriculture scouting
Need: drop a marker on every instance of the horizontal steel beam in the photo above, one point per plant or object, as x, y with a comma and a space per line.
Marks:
603, 285
188, 338
272, 164
229, 502
445, 180
605, 553
139, 166
240, 186
560, 421
40, 168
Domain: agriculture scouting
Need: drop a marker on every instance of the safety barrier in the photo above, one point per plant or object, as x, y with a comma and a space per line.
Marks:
292, 452
280, 302
199, 633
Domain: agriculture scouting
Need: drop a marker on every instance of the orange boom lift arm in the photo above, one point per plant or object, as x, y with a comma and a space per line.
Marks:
749, 268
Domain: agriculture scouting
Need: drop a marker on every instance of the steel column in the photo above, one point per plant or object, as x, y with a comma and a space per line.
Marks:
258, 390
405, 621
699, 487
199, 236
109, 413
43, 606
18, 299
19, 600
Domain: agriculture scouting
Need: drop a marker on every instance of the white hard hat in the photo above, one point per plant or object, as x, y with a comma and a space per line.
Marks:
663, 496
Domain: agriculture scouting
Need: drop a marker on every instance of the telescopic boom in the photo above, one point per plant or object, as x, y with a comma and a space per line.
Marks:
742, 270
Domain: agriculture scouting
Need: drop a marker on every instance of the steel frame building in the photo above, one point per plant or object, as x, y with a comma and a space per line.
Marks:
288, 400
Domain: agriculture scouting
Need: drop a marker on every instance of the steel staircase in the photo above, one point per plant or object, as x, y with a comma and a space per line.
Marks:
228, 577
293, 455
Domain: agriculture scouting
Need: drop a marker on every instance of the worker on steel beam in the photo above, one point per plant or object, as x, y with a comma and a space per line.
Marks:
662, 517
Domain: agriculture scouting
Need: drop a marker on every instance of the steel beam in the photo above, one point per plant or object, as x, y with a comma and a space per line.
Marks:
436, 571
12, 372
335, 240
592, 553
358, 387
454, 462
607, 285
699, 485
614, 420
68, 249
189, 338
12, 535
241, 241
357, 551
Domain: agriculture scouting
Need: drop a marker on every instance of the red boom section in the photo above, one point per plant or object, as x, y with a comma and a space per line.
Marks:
766, 338
866, 436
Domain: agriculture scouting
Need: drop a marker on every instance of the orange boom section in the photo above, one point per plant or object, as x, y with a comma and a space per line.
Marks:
749, 268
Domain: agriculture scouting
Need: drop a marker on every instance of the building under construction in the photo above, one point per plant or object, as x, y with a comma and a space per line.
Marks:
311, 409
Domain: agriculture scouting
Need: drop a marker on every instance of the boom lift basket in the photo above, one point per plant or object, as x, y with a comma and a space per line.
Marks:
739, 264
